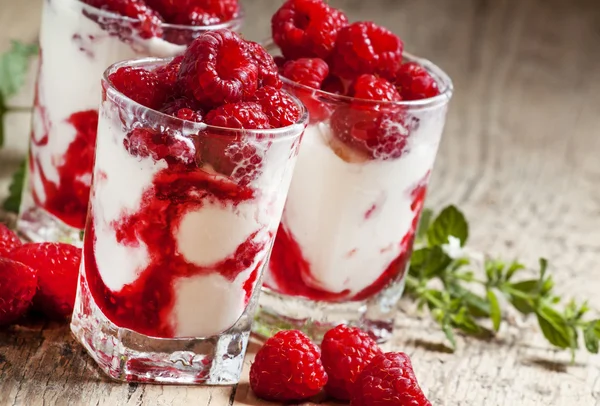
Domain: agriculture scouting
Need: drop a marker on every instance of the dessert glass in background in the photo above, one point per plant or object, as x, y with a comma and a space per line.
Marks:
347, 230
77, 43
174, 250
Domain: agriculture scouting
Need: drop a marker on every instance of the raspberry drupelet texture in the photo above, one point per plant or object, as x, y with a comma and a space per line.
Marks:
139, 85
306, 28
8, 240
247, 115
365, 47
345, 352
310, 72
388, 380
149, 20
57, 265
183, 108
370, 87
287, 368
278, 105
268, 72
167, 75
18, 284
196, 12
415, 83
217, 68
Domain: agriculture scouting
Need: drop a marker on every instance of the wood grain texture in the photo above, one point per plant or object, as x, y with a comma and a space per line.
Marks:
520, 155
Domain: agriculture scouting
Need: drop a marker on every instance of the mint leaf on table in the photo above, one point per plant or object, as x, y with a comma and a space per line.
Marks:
469, 301
13, 71
13, 202
449, 223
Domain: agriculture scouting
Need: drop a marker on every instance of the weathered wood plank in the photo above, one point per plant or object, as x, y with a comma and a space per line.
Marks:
520, 156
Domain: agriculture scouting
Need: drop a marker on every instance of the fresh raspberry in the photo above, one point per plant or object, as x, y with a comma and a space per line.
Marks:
346, 351
57, 266
278, 105
389, 380
149, 20
8, 241
306, 28
18, 284
279, 61
380, 135
415, 83
145, 142
310, 72
139, 85
196, 16
184, 109
333, 84
247, 115
287, 368
167, 75
225, 10
217, 68
370, 87
268, 73
365, 47
240, 161
215, 11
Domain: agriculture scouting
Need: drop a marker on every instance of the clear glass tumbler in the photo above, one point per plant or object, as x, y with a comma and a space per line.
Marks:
77, 43
182, 218
348, 226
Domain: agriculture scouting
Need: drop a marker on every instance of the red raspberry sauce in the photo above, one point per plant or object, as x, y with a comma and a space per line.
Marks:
69, 199
146, 304
289, 269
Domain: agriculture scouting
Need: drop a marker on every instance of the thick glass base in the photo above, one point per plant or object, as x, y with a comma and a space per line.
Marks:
280, 312
37, 225
128, 356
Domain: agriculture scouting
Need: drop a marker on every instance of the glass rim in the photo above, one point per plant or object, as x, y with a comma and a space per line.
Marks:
237, 21
438, 73
287, 131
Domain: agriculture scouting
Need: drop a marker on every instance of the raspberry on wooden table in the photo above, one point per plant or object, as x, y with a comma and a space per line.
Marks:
217, 68
415, 83
57, 266
309, 72
247, 115
306, 28
371, 87
18, 284
278, 105
287, 368
8, 240
365, 47
139, 85
389, 380
345, 352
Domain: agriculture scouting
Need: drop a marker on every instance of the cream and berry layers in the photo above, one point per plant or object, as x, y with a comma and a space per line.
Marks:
194, 160
365, 160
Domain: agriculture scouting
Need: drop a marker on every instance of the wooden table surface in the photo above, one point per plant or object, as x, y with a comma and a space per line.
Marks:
520, 155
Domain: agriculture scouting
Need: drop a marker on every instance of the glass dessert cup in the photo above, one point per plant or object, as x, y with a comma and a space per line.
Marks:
77, 43
174, 251
347, 229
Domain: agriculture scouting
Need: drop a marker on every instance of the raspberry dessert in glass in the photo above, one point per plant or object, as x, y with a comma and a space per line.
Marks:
376, 119
78, 40
193, 162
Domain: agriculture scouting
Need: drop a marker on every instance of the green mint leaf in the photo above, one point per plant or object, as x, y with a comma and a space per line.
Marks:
590, 338
595, 325
477, 305
450, 222
555, 328
447, 329
513, 269
12, 203
3, 111
436, 262
495, 312
418, 259
463, 321
13, 67
424, 222
523, 305
526, 286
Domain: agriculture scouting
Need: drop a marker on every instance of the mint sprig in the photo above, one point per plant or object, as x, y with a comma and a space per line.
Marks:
13, 70
470, 299
13, 201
